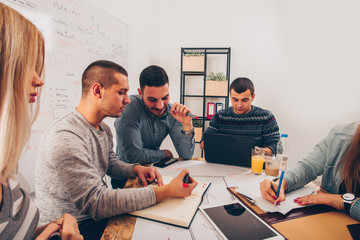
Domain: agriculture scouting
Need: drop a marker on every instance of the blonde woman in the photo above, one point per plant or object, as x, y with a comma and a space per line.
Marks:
21, 65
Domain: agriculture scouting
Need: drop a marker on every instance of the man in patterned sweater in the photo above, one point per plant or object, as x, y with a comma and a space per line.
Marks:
246, 119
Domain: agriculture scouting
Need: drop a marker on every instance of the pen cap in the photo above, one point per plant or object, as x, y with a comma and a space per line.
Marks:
186, 180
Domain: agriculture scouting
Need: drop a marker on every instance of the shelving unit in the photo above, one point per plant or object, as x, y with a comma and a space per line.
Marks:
196, 64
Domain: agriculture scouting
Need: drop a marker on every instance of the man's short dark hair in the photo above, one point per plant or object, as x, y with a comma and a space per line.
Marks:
153, 76
240, 85
102, 72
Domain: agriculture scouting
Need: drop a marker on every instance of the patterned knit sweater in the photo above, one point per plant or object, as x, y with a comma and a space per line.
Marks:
258, 123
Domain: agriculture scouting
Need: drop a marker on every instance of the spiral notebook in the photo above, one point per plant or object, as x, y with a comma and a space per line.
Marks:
175, 211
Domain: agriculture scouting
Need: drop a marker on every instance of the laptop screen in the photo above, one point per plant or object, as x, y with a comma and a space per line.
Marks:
228, 149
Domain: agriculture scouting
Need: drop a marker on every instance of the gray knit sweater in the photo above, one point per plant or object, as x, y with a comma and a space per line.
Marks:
73, 160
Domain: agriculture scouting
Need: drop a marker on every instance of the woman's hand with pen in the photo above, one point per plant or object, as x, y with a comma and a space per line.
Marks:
269, 189
66, 226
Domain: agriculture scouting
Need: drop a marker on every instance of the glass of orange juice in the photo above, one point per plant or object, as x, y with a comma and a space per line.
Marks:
257, 160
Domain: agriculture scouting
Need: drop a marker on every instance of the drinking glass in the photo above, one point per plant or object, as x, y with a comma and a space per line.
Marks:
257, 160
272, 165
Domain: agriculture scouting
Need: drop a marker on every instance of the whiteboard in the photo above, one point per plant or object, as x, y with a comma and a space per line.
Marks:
76, 34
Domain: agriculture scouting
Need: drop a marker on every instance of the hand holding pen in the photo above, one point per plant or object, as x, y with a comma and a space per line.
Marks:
182, 113
182, 185
186, 181
276, 202
62, 228
269, 190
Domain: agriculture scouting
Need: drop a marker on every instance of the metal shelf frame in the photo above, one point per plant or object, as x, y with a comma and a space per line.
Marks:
206, 52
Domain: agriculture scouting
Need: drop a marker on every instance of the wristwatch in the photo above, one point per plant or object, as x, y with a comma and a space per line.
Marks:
190, 133
348, 199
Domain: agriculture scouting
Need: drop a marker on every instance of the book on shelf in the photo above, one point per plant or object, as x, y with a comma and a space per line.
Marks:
175, 211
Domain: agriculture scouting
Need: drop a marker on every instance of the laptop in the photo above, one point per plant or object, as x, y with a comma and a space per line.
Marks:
228, 149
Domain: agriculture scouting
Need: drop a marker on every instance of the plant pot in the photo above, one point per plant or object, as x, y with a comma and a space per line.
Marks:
198, 134
193, 63
216, 88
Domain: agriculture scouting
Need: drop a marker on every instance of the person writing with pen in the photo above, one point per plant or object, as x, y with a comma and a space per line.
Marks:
337, 159
76, 154
148, 119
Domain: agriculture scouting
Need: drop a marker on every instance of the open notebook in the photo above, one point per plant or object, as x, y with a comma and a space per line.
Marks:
175, 211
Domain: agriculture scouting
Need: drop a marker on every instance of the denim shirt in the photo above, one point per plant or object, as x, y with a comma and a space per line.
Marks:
323, 161
139, 134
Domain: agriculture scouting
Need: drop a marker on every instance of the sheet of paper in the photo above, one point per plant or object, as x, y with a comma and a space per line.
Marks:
252, 190
217, 192
287, 205
243, 179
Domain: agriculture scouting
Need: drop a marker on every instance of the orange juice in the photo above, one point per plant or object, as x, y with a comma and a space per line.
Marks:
257, 163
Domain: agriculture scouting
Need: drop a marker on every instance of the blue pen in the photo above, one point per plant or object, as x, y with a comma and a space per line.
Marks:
278, 190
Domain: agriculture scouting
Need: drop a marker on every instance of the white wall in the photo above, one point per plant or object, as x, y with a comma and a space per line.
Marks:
303, 56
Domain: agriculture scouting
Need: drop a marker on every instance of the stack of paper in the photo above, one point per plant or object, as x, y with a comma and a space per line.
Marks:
284, 207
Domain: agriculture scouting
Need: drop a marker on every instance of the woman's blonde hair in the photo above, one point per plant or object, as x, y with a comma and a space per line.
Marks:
21, 53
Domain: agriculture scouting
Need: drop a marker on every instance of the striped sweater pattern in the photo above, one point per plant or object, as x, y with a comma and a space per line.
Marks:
19, 215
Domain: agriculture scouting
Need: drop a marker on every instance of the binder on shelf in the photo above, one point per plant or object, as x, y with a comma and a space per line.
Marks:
210, 110
219, 106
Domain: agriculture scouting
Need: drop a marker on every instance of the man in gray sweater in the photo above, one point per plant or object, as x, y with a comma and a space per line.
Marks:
76, 153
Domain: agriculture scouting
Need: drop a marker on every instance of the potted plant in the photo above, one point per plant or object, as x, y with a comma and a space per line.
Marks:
193, 61
198, 128
216, 84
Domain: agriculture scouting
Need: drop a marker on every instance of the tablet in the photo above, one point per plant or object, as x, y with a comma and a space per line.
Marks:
235, 221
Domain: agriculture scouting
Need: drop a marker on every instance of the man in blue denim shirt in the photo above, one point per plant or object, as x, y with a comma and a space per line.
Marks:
327, 159
149, 118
